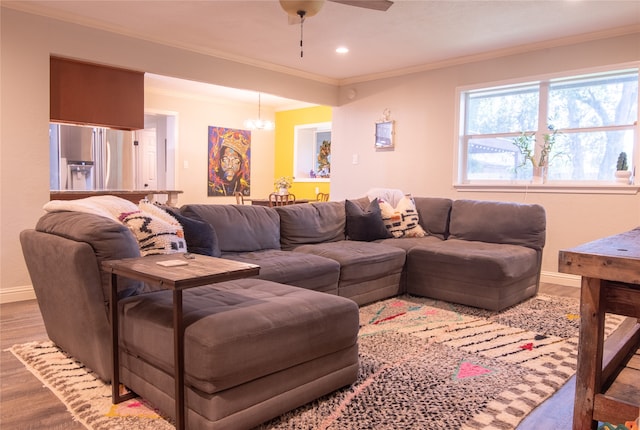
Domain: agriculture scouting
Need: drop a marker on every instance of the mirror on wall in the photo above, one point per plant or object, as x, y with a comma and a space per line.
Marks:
312, 152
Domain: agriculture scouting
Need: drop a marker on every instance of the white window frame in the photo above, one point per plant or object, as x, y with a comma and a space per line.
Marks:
587, 187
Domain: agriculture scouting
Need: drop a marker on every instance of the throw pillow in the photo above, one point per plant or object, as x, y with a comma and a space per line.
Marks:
157, 232
402, 221
365, 225
200, 236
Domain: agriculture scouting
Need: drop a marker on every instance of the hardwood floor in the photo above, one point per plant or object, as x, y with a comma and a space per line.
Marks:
26, 405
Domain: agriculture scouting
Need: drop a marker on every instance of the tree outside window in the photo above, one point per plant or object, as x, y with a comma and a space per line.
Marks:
595, 116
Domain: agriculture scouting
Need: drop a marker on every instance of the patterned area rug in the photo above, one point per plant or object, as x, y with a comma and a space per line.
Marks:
425, 364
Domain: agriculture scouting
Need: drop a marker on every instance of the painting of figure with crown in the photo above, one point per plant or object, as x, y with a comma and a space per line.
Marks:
229, 162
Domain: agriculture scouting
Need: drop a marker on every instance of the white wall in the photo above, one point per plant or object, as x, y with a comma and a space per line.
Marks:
422, 105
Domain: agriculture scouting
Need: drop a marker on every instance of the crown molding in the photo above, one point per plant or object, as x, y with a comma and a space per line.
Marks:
489, 55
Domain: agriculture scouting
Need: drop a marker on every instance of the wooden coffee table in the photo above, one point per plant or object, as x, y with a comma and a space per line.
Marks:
199, 270
610, 270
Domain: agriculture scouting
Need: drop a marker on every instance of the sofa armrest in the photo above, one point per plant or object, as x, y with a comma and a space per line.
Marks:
66, 279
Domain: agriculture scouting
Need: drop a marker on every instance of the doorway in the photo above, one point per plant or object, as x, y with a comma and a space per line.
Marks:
156, 148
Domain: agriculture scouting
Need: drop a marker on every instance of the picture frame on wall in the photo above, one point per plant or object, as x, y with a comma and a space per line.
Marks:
385, 135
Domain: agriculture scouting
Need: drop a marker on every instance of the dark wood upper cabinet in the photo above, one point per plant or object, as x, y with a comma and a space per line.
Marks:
86, 93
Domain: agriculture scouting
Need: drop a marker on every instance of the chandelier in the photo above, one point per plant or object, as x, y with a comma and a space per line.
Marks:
258, 124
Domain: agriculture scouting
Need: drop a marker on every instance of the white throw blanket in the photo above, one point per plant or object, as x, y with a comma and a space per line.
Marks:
389, 195
157, 231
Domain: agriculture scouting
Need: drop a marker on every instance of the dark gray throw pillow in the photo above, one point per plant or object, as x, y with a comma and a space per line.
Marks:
365, 225
200, 236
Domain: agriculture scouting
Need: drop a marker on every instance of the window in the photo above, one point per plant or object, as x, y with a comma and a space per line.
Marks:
312, 152
595, 117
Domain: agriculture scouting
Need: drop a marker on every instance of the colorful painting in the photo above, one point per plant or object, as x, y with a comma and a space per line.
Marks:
229, 162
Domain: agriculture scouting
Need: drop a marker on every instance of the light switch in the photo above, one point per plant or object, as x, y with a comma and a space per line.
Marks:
185, 164
354, 159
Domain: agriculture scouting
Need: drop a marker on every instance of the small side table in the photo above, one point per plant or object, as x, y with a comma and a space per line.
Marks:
200, 270
610, 270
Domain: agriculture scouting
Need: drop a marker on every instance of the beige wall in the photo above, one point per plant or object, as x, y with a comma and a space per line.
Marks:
194, 116
422, 105
27, 41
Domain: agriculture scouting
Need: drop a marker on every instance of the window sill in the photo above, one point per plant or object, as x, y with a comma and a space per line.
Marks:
550, 187
311, 179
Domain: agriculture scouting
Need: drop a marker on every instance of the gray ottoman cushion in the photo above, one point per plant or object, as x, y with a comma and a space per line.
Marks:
239, 331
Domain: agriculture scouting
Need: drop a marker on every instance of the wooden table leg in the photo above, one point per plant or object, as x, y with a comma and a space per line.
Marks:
178, 343
590, 347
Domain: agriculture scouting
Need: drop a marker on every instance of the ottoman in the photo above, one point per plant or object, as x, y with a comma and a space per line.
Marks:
254, 349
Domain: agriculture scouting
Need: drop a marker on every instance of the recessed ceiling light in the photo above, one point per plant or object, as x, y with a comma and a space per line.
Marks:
342, 50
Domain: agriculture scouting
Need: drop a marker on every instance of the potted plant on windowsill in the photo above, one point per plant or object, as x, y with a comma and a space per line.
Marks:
282, 184
622, 169
526, 144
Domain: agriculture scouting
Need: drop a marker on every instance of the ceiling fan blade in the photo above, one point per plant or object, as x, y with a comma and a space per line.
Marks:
381, 5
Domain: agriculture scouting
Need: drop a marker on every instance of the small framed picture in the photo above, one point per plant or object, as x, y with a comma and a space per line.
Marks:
384, 135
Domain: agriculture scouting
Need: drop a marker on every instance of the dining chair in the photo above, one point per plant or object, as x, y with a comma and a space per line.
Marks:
239, 198
322, 197
276, 199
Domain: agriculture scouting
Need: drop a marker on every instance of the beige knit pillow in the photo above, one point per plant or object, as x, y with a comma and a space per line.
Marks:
402, 221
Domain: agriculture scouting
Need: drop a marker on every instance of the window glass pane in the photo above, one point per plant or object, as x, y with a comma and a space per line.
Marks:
589, 156
492, 159
502, 110
595, 116
594, 102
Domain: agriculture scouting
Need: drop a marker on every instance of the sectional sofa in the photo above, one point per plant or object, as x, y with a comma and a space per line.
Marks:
256, 348
479, 253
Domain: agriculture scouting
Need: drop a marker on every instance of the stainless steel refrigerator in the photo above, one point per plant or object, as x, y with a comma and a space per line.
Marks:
91, 158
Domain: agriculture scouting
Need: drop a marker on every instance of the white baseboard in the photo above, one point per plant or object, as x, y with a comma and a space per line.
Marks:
17, 294
560, 279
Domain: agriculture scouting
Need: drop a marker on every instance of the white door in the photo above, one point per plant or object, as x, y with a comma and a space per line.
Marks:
147, 177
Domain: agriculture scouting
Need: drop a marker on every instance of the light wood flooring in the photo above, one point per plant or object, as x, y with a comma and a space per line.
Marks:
26, 405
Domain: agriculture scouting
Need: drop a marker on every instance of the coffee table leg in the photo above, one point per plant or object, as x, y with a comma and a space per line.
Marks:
178, 342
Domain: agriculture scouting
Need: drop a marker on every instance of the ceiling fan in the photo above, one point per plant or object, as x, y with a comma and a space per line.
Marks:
300, 9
